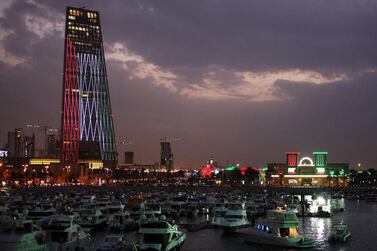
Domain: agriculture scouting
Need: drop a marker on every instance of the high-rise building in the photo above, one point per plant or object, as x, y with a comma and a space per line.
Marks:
87, 123
128, 158
19, 145
29, 146
52, 145
166, 157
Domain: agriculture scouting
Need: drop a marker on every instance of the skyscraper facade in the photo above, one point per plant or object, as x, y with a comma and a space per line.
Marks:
87, 125
166, 156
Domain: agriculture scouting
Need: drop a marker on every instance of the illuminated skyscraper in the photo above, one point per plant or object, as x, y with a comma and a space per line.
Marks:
87, 124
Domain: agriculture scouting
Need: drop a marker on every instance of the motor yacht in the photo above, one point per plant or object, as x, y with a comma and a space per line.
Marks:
160, 235
27, 238
340, 233
278, 229
234, 219
218, 216
116, 242
92, 218
123, 221
63, 234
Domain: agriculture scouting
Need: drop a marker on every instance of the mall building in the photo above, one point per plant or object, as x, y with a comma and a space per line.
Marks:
307, 171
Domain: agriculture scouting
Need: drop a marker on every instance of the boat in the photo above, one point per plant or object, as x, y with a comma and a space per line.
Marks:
7, 222
92, 218
218, 216
123, 221
27, 238
116, 242
160, 235
340, 233
63, 234
278, 229
234, 219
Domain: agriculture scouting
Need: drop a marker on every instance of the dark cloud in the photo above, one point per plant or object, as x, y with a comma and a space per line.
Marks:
191, 39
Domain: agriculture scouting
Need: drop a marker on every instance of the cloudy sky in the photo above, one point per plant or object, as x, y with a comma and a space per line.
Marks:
242, 81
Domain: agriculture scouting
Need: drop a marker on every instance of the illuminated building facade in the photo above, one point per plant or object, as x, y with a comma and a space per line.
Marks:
306, 171
87, 125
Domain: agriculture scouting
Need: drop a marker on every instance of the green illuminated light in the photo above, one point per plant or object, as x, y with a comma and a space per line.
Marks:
231, 168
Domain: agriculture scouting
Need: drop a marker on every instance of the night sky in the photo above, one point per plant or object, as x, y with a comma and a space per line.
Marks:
242, 81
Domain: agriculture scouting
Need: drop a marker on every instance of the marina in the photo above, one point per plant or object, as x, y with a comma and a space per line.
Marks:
188, 126
85, 218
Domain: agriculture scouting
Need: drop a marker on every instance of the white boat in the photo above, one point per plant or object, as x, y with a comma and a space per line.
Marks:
92, 218
160, 236
218, 216
26, 239
279, 229
123, 221
63, 234
234, 219
340, 233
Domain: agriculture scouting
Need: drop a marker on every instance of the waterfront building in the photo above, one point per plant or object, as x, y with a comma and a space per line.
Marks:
87, 130
307, 171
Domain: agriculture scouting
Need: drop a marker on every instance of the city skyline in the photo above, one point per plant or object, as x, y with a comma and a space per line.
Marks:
240, 82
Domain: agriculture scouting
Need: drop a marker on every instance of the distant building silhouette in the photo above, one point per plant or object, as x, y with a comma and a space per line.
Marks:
128, 158
166, 156
19, 145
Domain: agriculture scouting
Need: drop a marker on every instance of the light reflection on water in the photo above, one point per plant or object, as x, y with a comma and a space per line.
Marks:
360, 216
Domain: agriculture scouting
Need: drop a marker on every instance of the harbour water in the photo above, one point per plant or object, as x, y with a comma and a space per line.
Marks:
360, 216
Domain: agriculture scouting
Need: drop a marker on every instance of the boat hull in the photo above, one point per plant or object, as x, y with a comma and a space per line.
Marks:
261, 237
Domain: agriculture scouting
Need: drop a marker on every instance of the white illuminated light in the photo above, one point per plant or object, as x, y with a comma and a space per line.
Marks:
321, 170
3, 153
291, 169
303, 176
303, 162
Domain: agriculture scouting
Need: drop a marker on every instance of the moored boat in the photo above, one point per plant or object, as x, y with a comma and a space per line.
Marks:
160, 236
279, 229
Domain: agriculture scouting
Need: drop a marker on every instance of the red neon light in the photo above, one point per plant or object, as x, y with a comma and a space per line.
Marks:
70, 117
243, 170
292, 159
206, 171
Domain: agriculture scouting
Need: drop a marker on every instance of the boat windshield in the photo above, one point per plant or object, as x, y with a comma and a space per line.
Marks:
156, 238
289, 232
220, 213
155, 225
233, 216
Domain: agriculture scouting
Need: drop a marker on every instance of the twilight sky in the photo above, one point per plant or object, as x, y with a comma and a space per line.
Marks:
242, 81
